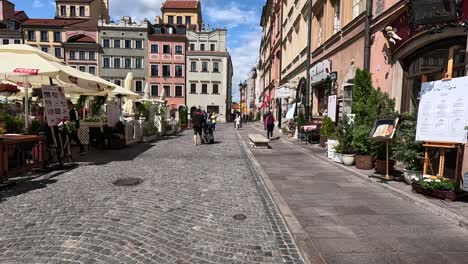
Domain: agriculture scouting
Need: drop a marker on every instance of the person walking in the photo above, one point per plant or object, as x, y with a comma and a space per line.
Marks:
75, 117
197, 122
269, 124
237, 121
213, 118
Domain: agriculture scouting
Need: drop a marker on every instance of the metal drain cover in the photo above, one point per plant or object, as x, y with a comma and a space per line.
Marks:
239, 217
128, 182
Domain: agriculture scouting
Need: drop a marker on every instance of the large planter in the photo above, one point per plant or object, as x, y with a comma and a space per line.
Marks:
439, 194
323, 141
331, 144
381, 166
417, 175
364, 162
348, 159
338, 158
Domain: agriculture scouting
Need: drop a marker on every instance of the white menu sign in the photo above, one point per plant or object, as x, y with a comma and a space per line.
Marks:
55, 104
332, 107
443, 111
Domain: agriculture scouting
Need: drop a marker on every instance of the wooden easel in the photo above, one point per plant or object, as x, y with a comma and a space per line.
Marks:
443, 148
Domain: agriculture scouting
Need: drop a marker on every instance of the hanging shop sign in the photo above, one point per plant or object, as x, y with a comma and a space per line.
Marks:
443, 111
424, 12
320, 72
284, 92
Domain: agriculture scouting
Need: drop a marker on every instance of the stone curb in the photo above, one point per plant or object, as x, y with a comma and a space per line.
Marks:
305, 245
431, 207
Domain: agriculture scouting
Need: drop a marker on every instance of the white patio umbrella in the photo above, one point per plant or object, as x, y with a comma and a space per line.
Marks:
129, 103
147, 92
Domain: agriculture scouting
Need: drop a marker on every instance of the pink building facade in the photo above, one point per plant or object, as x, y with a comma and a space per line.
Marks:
166, 69
81, 49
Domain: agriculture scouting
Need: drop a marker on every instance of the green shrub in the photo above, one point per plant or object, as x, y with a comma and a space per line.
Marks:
328, 128
443, 184
14, 124
361, 141
344, 134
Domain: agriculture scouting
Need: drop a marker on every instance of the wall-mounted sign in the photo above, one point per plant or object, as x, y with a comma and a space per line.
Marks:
424, 12
320, 71
283, 92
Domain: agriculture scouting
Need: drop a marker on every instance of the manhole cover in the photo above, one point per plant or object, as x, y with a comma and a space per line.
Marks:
240, 217
127, 182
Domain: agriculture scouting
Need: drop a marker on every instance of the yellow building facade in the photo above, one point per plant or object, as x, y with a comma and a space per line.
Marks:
182, 13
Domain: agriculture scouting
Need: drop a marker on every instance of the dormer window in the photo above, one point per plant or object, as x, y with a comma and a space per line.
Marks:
63, 11
82, 11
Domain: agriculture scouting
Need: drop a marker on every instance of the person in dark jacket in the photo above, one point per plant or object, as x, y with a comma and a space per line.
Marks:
75, 117
197, 124
269, 124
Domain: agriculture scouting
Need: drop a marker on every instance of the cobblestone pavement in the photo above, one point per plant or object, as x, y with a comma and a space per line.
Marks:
182, 212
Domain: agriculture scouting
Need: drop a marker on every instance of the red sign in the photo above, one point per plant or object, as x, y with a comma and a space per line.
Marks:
26, 71
73, 79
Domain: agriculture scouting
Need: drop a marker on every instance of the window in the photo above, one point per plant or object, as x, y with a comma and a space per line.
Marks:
118, 82
106, 62
204, 66
188, 20
58, 52
154, 70
92, 55
45, 49
320, 30
138, 63
128, 63
157, 29
167, 49
117, 63
170, 20
154, 90
138, 86
128, 44
63, 11
106, 43
204, 88
193, 66
82, 11
193, 88
212, 47
179, 20
166, 70
202, 46
82, 55
167, 90
178, 49
139, 44
6, 41
17, 41
357, 8
72, 11
92, 70
215, 89
336, 23
71, 55
44, 36
83, 68
178, 91
154, 49
116, 43
192, 46
215, 66
178, 70
32, 35
57, 36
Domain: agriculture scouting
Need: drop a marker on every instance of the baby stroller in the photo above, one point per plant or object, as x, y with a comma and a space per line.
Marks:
208, 136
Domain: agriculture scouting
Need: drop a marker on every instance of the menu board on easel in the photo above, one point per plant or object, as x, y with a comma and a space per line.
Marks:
55, 104
443, 111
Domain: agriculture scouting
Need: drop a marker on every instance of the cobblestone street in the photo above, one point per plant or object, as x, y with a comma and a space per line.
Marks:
182, 212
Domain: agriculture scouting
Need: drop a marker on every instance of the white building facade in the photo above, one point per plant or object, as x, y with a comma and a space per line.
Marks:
209, 73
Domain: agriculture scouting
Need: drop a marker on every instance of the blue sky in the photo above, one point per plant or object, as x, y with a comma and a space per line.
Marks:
241, 17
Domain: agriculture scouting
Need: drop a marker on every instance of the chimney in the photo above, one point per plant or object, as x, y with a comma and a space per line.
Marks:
7, 10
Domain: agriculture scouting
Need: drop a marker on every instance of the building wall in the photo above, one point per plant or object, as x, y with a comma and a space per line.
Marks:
86, 64
93, 10
7, 10
112, 32
171, 60
48, 45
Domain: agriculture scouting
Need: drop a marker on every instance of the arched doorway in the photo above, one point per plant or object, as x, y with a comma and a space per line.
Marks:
301, 95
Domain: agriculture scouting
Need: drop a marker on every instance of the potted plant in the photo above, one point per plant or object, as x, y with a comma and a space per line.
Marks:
284, 130
441, 188
327, 129
344, 133
362, 147
407, 150
379, 154
337, 153
183, 119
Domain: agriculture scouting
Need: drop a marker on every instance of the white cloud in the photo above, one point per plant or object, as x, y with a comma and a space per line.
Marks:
38, 3
137, 9
244, 58
231, 15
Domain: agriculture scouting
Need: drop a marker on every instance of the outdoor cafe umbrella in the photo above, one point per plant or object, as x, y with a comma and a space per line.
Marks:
129, 103
147, 92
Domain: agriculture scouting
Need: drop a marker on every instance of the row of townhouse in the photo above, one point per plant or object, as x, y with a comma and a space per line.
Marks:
176, 56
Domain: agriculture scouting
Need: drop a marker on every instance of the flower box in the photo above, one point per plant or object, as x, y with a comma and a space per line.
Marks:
439, 194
